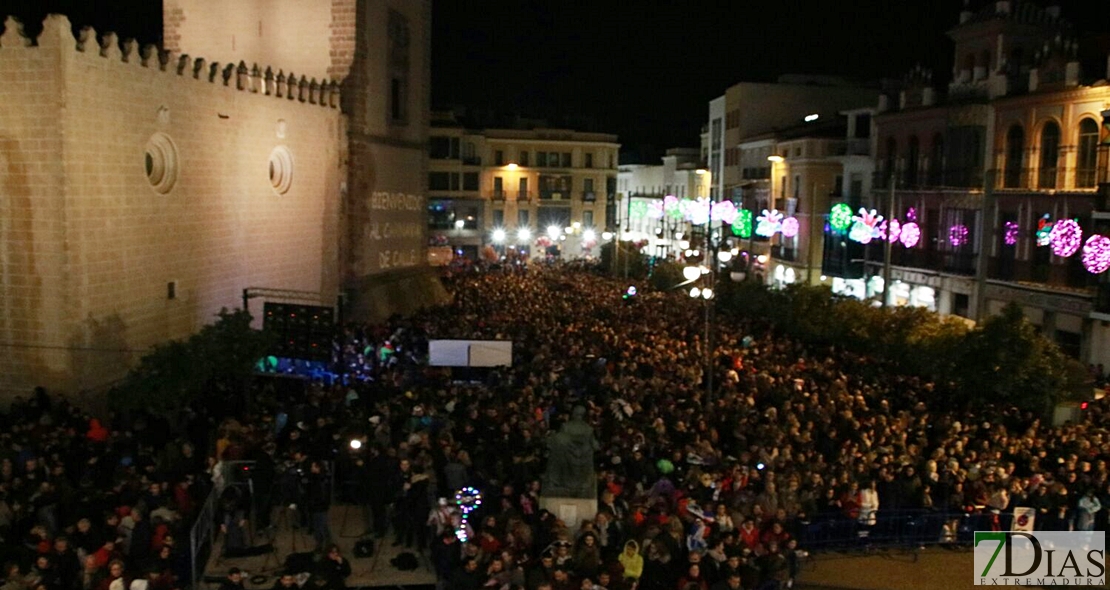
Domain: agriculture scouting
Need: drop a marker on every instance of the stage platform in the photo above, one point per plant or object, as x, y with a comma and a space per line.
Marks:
348, 523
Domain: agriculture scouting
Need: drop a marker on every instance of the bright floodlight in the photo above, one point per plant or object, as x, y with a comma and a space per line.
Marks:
589, 235
724, 255
776, 158
568, 230
356, 444
576, 224
704, 270
524, 234
707, 293
608, 235
695, 292
553, 231
498, 236
691, 273
812, 118
762, 258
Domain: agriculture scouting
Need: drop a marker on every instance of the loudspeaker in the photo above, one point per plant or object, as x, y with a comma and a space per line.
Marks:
297, 563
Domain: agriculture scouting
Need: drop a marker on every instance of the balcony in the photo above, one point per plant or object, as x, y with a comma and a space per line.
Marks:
589, 196
1048, 179
497, 195
549, 195
525, 196
472, 161
965, 178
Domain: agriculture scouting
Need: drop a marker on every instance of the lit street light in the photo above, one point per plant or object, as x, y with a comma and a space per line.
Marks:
608, 235
589, 235
459, 224
695, 292
498, 236
523, 234
553, 232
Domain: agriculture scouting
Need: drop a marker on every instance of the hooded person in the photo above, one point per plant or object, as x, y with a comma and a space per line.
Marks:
632, 562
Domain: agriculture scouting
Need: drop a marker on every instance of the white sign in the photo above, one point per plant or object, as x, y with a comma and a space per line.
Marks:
1023, 519
470, 353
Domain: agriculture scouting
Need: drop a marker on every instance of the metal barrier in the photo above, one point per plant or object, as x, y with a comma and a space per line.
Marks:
202, 537
905, 528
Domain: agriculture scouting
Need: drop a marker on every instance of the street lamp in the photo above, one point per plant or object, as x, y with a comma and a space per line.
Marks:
459, 224
553, 232
607, 235
589, 235
523, 235
499, 236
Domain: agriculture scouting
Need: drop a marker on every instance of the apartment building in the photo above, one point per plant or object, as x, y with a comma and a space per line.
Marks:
509, 187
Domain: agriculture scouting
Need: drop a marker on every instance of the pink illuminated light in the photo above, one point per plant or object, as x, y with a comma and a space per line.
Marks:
1096, 254
911, 234
790, 227
957, 235
1011, 235
1066, 237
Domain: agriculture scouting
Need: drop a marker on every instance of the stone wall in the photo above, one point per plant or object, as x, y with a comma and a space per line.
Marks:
123, 171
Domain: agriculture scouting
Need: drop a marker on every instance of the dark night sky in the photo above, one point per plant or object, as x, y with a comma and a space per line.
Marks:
646, 73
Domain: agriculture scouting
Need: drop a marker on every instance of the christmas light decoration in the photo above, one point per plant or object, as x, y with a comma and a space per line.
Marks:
865, 226
769, 223
468, 499
893, 229
958, 235
789, 227
910, 234
742, 225
840, 218
1096, 254
1044, 230
911, 214
655, 210
724, 211
1066, 236
672, 207
1010, 235
637, 209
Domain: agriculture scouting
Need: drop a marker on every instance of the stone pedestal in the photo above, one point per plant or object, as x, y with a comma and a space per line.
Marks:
571, 511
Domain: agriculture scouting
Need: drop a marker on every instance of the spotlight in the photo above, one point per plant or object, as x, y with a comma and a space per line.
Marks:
356, 444
695, 292
524, 234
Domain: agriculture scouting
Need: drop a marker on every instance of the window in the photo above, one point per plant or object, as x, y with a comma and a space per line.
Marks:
553, 159
498, 187
1015, 156
171, 290
398, 67
936, 161
566, 160
523, 186
797, 185
891, 159
439, 148
397, 100
499, 158
160, 162
470, 181
588, 218
281, 169
588, 189
541, 159
838, 185
912, 157
863, 125
1050, 154
782, 183
439, 181
498, 218
524, 158
454, 181
522, 218
589, 160
1087, 157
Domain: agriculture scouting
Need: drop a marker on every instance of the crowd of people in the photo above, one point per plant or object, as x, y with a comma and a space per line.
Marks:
697, 488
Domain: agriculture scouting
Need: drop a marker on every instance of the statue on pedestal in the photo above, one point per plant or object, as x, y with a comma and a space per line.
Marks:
570, 459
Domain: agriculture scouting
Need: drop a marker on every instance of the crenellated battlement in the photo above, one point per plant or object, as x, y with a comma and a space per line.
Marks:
56, 32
